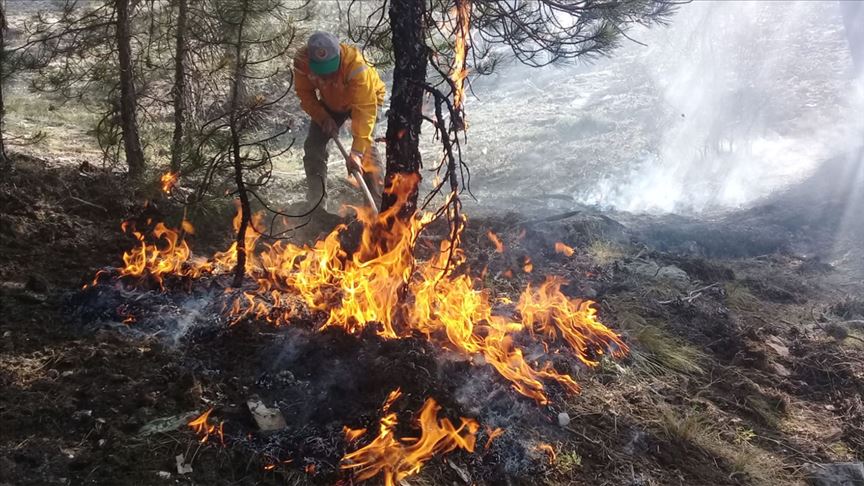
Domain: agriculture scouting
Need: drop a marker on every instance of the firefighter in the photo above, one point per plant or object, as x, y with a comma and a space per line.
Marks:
334, 82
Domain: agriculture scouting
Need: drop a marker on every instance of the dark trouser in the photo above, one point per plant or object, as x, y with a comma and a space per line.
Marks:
315, 163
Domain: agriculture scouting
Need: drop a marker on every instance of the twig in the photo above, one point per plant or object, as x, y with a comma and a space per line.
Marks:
88, 203
691, 296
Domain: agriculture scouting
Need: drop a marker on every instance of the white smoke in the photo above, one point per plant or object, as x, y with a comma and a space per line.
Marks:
731, 102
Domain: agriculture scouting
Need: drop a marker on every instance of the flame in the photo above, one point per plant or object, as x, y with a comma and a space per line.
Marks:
352, 435
225, 260
171, 259
383, 287
499, 247
563, 249
527, 265
493, 434
204, 430
548, 450
169, 180
396, 458
460, 50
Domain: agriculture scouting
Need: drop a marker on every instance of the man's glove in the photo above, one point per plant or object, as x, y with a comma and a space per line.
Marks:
329, 127
354, 162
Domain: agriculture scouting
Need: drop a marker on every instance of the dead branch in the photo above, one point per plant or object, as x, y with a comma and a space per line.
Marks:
691, 296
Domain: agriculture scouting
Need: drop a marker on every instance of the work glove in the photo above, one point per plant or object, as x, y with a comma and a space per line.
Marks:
354, 162
329, 127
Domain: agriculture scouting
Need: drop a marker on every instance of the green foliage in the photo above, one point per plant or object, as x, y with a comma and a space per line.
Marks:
568, 462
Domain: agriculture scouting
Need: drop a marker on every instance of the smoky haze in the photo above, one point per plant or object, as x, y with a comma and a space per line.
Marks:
731, 102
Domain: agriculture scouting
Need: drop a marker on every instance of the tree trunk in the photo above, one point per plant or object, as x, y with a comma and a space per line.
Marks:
179, 91
406, 103
245, 209
129, 124
3, 160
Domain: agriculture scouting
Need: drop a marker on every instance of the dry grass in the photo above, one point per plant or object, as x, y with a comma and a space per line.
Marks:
739, 298
744, 460
655, 351
605, 252
658, 352
691, 427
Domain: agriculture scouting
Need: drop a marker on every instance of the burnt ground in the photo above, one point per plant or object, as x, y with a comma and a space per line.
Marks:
746, 366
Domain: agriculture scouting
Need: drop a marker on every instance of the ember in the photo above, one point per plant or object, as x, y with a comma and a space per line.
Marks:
563, 249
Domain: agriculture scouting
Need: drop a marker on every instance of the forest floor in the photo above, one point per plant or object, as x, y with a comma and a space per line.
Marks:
744, 369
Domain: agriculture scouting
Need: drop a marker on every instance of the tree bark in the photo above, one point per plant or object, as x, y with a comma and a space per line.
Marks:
245, 209
128, 102
4, 162
406, 103
179, 90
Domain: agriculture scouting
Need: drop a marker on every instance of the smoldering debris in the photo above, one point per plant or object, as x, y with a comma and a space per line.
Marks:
287, 394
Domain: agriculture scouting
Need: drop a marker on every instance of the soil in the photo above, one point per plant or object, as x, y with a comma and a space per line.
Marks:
745, 368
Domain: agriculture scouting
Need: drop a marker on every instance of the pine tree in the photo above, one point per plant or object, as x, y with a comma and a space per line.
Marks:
537, 33
86, 53
248, 42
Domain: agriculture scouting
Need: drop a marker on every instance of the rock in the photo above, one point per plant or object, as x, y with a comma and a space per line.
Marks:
182, 467
653, 270
837, 474
163, 474
266, 418
675, 274
563, 419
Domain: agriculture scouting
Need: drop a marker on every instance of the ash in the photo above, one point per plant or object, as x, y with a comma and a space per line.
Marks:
320, 380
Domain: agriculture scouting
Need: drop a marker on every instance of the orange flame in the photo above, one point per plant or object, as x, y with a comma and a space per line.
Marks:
548, 450
563, 249
368, 289
527, 265
352, 435
460, 50
169, 180
172, 259
493, 434
397, 459
499, 247
204, 429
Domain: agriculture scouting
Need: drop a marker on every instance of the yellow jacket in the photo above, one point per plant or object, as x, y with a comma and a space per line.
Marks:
355, 87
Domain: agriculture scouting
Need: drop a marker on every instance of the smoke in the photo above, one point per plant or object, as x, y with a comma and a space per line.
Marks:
732, 102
